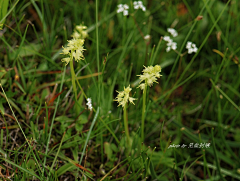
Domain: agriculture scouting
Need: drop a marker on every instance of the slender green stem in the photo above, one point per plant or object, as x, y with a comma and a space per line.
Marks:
89, 133
56, 156
143, 110
126, 125
73, 77
97, 48
216, 156
124, 30
53, 118
4, 15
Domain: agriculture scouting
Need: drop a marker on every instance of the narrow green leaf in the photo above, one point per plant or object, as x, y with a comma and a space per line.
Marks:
21, 168
88, 135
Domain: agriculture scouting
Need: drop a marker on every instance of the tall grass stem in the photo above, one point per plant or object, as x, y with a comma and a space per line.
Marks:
126, 125
73, 77
143, 110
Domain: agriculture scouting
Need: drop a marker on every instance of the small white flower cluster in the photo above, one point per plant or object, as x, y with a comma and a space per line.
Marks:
170, 45
173, 32
139, 5
191, 47
147, 37
89, 103
123, 8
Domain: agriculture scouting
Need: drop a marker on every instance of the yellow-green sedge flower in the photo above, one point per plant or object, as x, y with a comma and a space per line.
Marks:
74, 49
80, 32
123, 97
150, 75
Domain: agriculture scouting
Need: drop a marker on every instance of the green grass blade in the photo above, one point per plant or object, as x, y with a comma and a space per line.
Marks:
216, 156
21, 128
54, 114
21, 168
88, 135
4, 13
225, 95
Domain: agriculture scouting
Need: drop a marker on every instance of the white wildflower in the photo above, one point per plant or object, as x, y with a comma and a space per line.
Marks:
147, 37
191, 47
89, 103
123, 8
168, 49
139, 5
174, 45
170, 44
173, 32
166, 38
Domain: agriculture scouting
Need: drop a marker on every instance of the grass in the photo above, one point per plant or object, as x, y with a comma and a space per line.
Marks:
47, 131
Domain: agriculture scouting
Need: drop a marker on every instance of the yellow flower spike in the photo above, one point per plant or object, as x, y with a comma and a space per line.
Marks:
74, 49
66, 50
66, 60
80, 32
150, 75
142, 86
131, 100
127, 90
123, 97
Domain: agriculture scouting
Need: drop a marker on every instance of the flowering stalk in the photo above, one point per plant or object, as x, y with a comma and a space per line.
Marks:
123, 98
126, 125
150, 75
73, 77
74, 50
